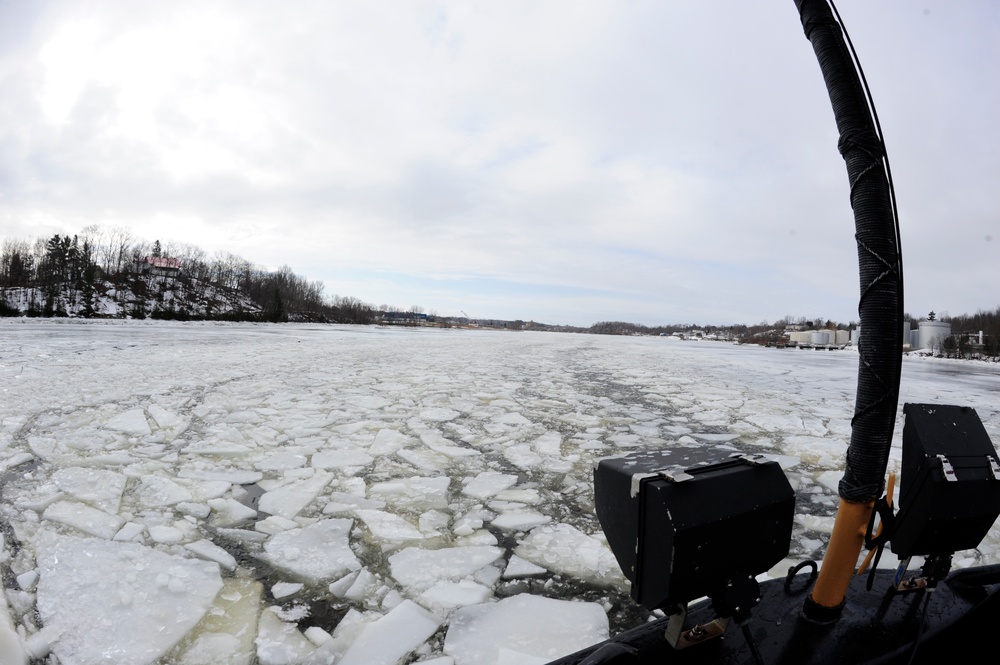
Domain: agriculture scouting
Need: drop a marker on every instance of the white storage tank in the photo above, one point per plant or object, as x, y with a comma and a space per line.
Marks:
856, 336
843, 337
933, 334
798, 337
819, 337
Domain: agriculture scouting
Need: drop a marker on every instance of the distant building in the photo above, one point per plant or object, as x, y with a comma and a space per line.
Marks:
404, 318
158, 265
823, 338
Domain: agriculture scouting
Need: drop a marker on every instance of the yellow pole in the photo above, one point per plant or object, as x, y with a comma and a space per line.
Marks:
841, 556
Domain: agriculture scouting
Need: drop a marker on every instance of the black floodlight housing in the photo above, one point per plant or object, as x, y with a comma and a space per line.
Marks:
950, 482
689, 523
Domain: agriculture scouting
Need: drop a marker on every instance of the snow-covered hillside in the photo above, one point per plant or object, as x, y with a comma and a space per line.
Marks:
154, 296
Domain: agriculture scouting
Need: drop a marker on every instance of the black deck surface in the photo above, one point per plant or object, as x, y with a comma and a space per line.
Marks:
962, 619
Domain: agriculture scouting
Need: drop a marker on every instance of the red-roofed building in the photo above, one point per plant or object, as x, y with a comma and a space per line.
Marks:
158, 265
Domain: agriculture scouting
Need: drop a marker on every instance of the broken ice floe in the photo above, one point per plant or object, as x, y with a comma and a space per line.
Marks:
339, 492
522, 629
92, 593
320, 551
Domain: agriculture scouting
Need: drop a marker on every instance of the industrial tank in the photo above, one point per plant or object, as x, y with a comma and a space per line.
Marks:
933, 333
799, 337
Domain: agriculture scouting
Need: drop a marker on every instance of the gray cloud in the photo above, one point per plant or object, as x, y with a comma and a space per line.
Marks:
662, 161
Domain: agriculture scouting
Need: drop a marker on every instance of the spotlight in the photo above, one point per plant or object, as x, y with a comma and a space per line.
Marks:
950, 483
685, 524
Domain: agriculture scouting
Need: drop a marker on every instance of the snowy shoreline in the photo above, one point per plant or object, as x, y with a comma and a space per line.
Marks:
306, 493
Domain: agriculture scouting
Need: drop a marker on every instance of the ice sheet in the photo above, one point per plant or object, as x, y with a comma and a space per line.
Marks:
531, 628
377, 468
320, 551
122, 602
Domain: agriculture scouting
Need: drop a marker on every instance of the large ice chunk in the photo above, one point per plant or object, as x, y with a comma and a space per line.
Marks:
389, 529
209, 551
549, 443
520, 520
280, 642
446, 596
100, 488
518, 567
488, 483
317, 552
81, 516
374, 639
156, 491
119, 602
228, 512
414, 493
387, 640
289, 500
282, 460
564, 549
233, 476
168, 420
340, 458
527, 626
131, 422
388, 441
420, 568
443, 446
12, 651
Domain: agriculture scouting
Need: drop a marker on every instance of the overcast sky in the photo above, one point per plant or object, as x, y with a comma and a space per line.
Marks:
567, 162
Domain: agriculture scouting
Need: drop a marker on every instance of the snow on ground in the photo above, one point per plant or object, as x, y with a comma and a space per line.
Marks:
238, 493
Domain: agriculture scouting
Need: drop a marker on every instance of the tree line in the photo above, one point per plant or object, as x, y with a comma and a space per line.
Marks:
64, 274
965, 329
963, 342
758, 333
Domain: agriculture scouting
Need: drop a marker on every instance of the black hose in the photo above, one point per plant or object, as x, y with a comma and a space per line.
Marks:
879, 258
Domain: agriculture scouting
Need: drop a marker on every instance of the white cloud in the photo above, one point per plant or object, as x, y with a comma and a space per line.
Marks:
637, 154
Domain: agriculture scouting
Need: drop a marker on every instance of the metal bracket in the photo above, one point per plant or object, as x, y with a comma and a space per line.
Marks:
948, 469
753, 459
701, 633
679, 638
994, 467
675, 474
912, 584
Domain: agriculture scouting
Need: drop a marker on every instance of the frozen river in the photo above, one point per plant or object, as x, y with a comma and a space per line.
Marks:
207, 493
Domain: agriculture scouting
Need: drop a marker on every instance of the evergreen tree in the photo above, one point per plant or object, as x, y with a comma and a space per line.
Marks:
277, 313
19, 272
